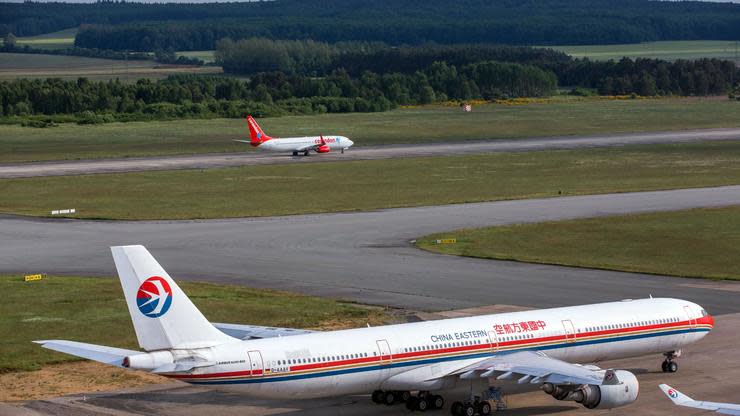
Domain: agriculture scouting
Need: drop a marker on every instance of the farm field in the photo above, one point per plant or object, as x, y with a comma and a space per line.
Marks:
19, 65
692, 243
365, 185
205, 56
666, 50
56, 40
561, 116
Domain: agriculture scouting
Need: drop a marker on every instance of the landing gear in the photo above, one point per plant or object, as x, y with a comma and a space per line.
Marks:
471, 408
422, 402
668, 365
295, 153
305, 153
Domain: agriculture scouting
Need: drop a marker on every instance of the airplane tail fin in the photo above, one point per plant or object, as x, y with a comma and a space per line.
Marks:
163, 316
256, 135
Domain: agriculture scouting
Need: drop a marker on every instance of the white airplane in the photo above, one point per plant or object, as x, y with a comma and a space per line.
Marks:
318, 144
547, 347
681, 399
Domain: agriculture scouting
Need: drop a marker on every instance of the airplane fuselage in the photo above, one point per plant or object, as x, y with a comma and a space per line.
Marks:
365, 359
300, 144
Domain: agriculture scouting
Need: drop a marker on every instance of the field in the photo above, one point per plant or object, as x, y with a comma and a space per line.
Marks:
205, 56
20, 65
56, 40
667, 50
364, 185
692, 243
561, 116
70, 307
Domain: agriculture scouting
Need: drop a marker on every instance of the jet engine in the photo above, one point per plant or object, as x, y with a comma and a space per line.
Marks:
605, 396
323, 149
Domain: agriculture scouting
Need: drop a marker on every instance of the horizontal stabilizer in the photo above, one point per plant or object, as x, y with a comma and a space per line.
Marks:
99, 353
245, 332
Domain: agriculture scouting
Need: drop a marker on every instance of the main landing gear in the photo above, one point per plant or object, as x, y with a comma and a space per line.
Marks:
423, 401
670, 366
471, 408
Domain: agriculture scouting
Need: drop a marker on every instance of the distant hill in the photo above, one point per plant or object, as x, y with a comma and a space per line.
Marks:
136, 26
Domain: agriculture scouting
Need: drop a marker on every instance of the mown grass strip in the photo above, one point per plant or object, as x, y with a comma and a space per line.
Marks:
364, 185
701, 243
93, 310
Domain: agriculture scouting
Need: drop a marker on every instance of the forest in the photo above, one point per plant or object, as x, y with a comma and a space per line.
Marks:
645, 77
119, 25
269, 93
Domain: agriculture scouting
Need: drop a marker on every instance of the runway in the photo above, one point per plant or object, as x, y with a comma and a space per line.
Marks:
366, 256
206, 161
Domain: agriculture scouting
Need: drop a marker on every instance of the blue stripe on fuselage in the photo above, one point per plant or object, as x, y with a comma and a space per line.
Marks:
439, 359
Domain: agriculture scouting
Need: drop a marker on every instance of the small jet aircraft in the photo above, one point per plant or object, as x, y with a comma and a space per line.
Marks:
546, 347
681, 399
318, 144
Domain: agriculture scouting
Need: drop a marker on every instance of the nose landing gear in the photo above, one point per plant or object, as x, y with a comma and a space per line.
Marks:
668, 365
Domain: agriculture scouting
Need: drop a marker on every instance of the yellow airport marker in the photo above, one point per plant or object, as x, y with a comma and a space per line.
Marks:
447, 241
33, 277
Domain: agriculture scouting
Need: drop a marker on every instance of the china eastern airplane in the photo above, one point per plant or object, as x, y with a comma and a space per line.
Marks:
681, 399
551, 348
318, 144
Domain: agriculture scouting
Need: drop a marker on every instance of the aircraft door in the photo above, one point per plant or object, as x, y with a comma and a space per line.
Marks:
384, 350
493, 340
690, 315
570, 331
256, 366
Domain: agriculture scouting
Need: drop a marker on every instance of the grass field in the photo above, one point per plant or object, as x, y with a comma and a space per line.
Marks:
93, 310
57, 40
667, 50
363, 185
20, 65
563, 116
693, 243
205, 56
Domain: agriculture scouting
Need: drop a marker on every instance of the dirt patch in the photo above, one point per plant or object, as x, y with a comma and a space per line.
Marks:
69, 378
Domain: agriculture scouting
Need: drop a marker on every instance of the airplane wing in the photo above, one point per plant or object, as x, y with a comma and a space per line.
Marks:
681, 399
99, 353
535, 367
245, 332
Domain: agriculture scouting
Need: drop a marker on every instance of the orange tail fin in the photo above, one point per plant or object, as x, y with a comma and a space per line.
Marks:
257, 136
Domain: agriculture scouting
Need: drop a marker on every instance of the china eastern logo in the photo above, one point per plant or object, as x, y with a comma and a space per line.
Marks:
154, 297
672, 393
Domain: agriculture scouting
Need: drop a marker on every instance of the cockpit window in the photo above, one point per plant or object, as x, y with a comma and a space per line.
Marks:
703, 312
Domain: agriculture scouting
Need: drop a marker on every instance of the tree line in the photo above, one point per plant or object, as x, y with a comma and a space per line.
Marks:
645, 77
269, 93
147, 27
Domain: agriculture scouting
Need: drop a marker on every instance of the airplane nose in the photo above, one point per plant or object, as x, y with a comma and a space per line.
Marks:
350, 142
710, 321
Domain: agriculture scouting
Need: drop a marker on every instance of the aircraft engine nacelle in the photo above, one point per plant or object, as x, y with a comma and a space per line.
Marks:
149, 361
323, 149
599, 397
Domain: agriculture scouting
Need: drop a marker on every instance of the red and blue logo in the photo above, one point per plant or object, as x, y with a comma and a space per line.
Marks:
673, 393
154, 297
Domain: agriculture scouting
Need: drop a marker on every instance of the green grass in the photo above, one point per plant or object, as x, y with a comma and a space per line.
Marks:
94, 310
205, 56
667, 50
21, 65
410, 125
693, 243
57, 40
363, 185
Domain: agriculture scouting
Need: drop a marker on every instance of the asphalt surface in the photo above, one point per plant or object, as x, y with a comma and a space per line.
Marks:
709, 370
367, 256
204, 161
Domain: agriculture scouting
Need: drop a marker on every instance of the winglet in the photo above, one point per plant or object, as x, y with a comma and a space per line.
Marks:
676, 396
